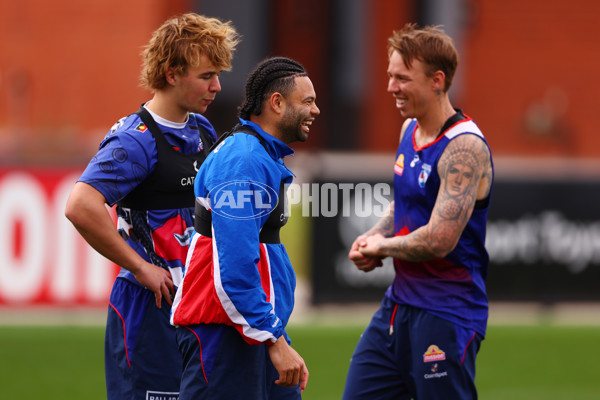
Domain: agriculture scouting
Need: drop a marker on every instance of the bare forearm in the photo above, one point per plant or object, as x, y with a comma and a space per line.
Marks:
379, 242
86, 209
385, 225
436, 239
421, 245
88, 213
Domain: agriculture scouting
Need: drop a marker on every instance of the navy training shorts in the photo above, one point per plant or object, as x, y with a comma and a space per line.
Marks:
219, 365
406, 352
142, 361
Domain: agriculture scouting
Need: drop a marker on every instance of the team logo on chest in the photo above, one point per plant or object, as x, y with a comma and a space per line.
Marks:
424, 175
141, 127
399, 166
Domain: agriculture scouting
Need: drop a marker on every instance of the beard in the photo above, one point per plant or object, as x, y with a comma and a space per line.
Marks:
290, 126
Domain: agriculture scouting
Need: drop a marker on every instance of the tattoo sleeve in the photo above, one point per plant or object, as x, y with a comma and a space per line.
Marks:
385, 225
465, 173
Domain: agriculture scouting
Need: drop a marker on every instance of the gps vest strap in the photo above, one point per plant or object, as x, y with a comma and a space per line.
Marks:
277, 218
170, 185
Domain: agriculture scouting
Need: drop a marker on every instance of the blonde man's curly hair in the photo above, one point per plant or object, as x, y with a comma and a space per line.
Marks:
181, 41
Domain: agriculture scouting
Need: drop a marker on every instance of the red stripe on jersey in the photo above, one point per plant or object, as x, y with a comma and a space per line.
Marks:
263, 270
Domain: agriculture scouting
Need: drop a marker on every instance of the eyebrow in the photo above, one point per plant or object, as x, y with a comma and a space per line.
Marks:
209, 73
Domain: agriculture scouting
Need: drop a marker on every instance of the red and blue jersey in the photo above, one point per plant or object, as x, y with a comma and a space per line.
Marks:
452, 287
232, 276
127, 156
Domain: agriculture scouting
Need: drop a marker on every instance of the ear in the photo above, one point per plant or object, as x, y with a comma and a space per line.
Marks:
277, 102
438, 81
170, 76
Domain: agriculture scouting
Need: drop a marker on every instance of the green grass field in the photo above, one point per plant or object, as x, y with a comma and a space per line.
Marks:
515, 362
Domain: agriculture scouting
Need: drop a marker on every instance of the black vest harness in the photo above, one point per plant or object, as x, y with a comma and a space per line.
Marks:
277, 218
171, 184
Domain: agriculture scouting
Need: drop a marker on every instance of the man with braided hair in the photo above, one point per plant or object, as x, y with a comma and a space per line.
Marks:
423, 341
237, 293
146, 165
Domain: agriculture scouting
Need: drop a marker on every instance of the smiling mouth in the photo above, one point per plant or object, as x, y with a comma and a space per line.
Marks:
306, 125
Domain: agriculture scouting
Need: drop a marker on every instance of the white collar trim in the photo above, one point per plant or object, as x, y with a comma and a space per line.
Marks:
165, 122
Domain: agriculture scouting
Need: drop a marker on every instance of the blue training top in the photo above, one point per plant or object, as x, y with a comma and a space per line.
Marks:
128, 155
452, 287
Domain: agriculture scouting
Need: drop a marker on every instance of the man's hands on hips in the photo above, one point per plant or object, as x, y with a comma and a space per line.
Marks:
156, 279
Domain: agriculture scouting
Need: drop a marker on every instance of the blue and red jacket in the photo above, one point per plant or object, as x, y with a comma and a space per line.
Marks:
452, 287
231, 275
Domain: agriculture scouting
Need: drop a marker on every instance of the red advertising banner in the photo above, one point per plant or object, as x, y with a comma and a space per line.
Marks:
43, 259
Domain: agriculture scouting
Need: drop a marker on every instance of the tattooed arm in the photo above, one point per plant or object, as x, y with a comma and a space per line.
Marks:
465, 176
383, 228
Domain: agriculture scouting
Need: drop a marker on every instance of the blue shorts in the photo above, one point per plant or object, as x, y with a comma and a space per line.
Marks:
407, 353
219, 365
141, 357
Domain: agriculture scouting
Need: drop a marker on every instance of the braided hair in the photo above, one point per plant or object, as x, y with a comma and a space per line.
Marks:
271, 75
